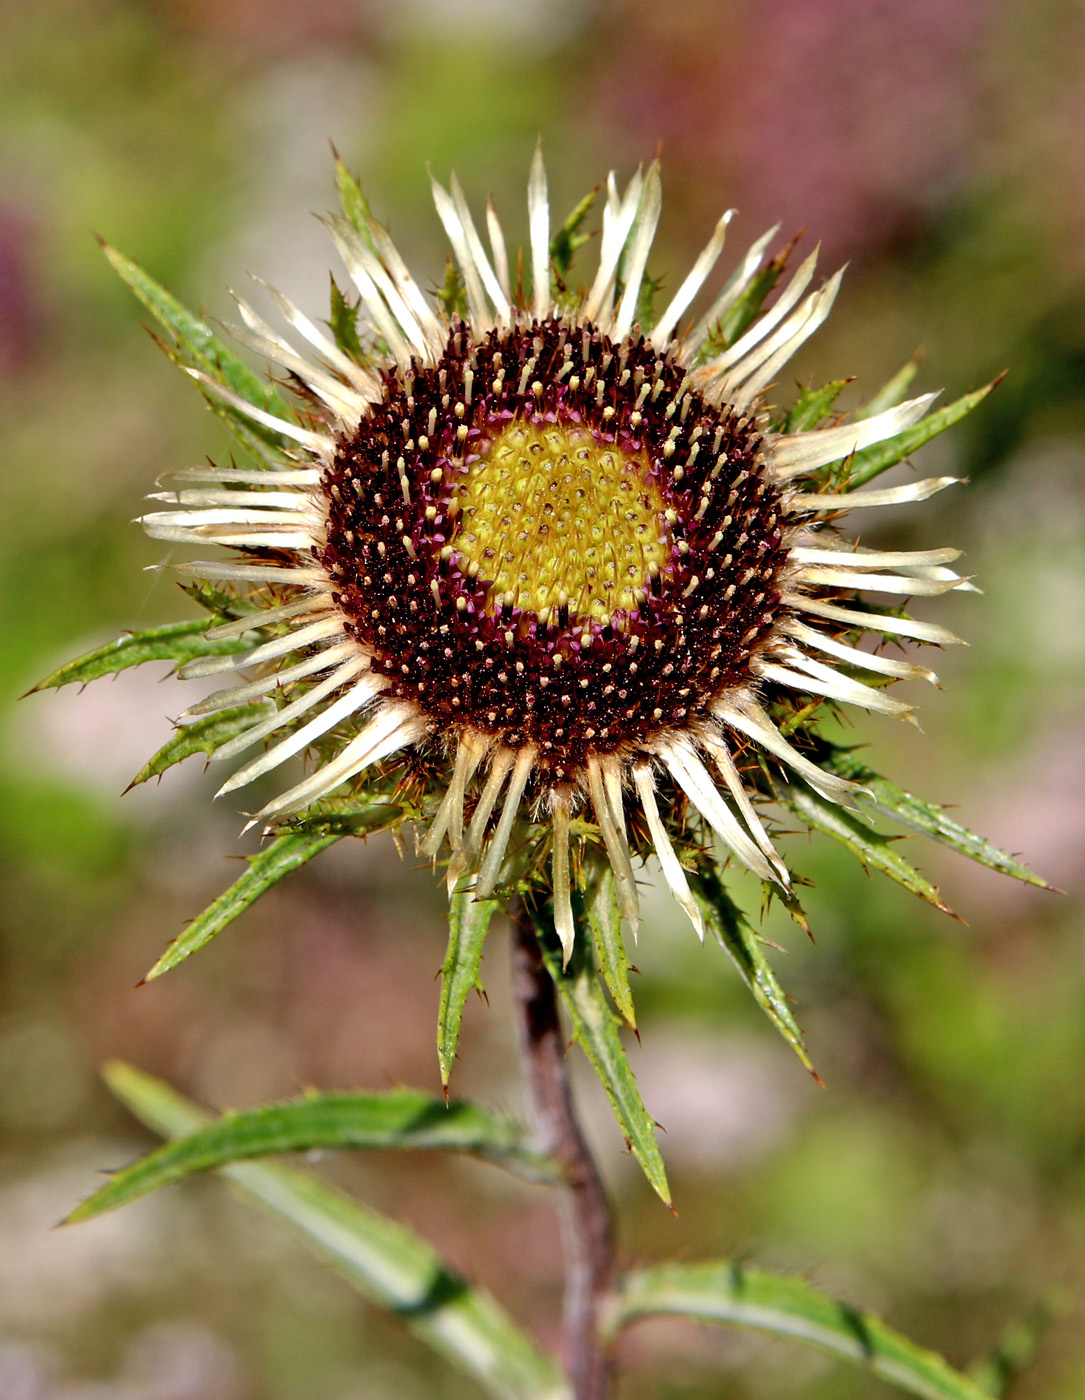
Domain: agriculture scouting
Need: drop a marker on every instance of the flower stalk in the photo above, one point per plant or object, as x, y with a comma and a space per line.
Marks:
586, 1228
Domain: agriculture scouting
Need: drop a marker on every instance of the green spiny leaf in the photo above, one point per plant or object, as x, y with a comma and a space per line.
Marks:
343, 324
194, 338
622, 275
401, 1118
263, 444
731, 927
196, 344
870, 847
747, 308
892, 391
177, 641
468, 925
649, 290
220, 604
811, 407
355, 205
568, 238
871, 462
385, 1261
351, 815
284, 854
597, 1031
605, 922
452, 295
204, 736
927, 817
739, 1296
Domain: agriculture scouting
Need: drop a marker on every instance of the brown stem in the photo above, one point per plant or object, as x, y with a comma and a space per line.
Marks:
587, 1234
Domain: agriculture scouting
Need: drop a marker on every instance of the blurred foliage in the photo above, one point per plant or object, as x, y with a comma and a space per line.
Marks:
940, 1177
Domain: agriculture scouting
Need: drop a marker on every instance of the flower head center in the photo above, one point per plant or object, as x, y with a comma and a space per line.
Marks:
554, 517
553, 539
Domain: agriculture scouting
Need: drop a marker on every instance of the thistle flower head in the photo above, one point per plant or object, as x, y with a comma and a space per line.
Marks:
559, 550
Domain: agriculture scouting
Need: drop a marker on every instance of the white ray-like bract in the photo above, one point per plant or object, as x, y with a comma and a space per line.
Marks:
498, 248
636, 259
538, 211
753, 374
564, 924
320, 444
669, 863
267, 651
884, 496
664, 327
393, 728
728, 295
343, 400
697, 782
253, 690
799, 453
265, 617
320, 676
742, 350
352, 372
618, 215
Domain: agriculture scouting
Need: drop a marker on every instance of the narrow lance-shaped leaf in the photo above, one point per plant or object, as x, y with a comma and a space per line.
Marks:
384, 1260
468, 925
569, 238
451, 294
893, 391
281, 856
399, 1118
320, 826
746, 309
605, 921
871, 462
740, 941
263, 444
869, 846
204, 736
739, 1296
355, 205
351, 815
597, 1031
927, 817
177, 641
343, 324
196, 344
649, 290
811, 407
221, 605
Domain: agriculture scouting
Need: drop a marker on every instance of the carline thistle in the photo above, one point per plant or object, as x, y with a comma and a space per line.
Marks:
558, 550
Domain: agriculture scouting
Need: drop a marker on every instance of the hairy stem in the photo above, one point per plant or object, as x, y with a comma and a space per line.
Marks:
587, 1234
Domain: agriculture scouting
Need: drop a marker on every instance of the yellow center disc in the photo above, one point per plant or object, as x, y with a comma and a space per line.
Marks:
551, 517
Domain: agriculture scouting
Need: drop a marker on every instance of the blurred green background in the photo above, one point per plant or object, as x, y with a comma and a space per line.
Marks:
939, 1178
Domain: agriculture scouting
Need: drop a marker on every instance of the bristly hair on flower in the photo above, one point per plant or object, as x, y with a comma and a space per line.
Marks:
560, 548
